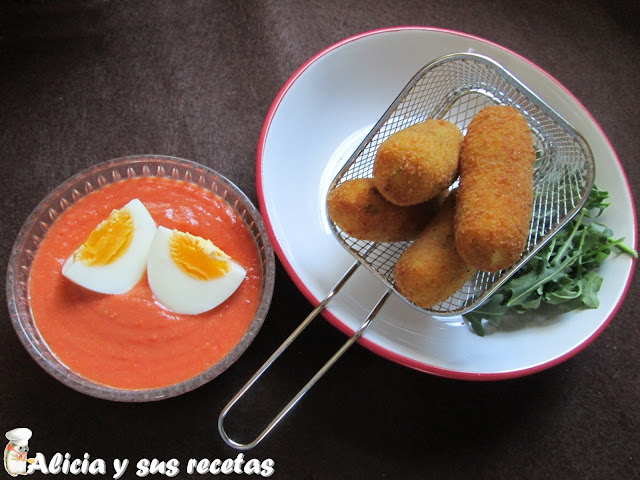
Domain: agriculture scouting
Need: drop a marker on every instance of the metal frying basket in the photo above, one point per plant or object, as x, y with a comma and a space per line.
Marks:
455, 87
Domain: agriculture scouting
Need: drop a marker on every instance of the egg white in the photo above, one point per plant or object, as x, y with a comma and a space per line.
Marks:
178, 291
124, 272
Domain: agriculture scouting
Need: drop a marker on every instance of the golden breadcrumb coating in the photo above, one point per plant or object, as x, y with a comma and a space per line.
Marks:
495, 197
431, 269
359, 210
415, 164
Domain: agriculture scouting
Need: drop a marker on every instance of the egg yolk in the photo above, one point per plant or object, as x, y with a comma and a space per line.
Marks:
108, 241
198, 257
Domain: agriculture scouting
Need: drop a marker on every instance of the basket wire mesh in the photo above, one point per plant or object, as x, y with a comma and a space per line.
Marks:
455, 88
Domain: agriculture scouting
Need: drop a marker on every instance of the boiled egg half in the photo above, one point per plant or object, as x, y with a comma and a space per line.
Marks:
114, 256
189, 274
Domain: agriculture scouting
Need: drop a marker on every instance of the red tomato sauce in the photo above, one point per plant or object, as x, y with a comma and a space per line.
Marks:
129, 340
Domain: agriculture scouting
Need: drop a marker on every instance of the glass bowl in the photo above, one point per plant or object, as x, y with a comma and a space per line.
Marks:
83, 183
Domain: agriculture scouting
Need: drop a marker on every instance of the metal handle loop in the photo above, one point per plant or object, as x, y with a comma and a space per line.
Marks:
357, 334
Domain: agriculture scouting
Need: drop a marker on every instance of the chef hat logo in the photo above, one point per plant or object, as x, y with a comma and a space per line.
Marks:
15, 453
19, 436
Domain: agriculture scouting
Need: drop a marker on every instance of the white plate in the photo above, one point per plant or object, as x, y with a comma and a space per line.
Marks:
317, 120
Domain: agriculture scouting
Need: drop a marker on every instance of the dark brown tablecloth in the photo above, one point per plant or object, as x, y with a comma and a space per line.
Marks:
86, 81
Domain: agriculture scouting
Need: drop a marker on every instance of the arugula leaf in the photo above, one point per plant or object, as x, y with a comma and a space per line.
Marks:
492, 310
563, 273
591, 284
532, 283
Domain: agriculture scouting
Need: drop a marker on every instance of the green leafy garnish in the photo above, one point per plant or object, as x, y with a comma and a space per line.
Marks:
562, 273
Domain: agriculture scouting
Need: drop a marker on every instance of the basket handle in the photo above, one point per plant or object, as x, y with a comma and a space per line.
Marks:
356, 335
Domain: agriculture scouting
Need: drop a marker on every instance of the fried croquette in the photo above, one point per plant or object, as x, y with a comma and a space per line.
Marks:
431, 269
415, 164
495, 197
359, 210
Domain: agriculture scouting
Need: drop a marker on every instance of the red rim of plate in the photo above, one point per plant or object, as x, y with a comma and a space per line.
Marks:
335, 321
